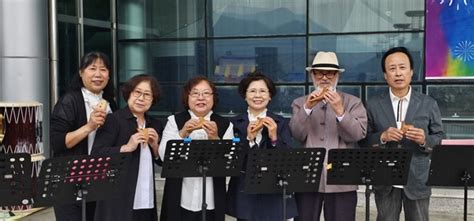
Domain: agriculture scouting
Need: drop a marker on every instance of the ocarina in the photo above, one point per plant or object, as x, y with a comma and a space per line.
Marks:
144, 131
102, 105
405, 127
199, 125
258, 126
321, 95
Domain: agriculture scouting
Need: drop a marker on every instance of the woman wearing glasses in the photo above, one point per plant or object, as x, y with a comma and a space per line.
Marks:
132, 130
182, 198
76, 117
258, 90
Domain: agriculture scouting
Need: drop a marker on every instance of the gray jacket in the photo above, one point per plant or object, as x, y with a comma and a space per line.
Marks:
422, 112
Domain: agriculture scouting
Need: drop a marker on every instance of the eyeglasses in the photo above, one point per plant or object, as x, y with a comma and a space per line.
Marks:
146, 96
196, 94
320, 74
253, 92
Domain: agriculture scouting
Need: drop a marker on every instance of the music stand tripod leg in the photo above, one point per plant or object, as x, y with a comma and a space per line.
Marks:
283, 183
203, 170
367, 198
466, 177
83, 194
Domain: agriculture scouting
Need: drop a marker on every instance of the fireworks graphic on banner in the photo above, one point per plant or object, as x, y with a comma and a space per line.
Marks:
450, 3
464, 51
449, 51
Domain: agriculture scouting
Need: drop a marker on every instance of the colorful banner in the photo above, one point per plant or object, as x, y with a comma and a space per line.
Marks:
449, 51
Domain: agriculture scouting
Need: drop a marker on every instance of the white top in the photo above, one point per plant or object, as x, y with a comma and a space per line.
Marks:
91, 100
400, 107
144, 197
191, 191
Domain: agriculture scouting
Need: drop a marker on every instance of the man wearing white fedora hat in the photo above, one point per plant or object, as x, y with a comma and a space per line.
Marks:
330, 119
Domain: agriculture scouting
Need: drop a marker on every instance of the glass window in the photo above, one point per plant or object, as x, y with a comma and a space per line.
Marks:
361, 54
281, 102
178, 18
66, 7
380, 89
331, 16
263, 17
230, 102
67, 55
160, 19
174, 61
458, 129
94, 9
283, 59
170, 101
454, 101
98, 39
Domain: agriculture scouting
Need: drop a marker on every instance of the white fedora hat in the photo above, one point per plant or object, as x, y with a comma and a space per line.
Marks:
325, 61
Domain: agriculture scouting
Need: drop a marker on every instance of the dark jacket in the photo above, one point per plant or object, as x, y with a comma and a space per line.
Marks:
171, 206
69, 114
116, 132
262, 207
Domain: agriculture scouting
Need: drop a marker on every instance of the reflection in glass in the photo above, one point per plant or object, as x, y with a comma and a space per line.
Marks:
361, 54
170, 101
283, 59
67, 54
98, 39
132, 60
281, 102
462, 129
454, 101
263, 17
94, 9
364, 16
378, 90
230, 102
160, 19
66, 7
174, 61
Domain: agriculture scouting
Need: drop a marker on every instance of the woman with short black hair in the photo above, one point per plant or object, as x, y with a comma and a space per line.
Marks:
261, 129
182, 197
132, 130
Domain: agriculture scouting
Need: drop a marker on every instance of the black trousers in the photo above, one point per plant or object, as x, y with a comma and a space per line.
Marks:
144, 214
187, 215
73, 212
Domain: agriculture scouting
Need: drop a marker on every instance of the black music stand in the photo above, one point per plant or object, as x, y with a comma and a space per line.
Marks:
368, 167
80, 178
15, 180
451, 165
203, 158
284, 170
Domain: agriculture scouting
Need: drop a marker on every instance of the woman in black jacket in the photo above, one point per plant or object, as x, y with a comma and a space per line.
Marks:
132, 130
261, 129
76, 117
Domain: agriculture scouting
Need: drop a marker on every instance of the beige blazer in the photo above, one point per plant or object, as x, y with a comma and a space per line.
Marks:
322, 129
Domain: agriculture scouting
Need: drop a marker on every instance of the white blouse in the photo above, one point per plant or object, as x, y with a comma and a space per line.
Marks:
191, 191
